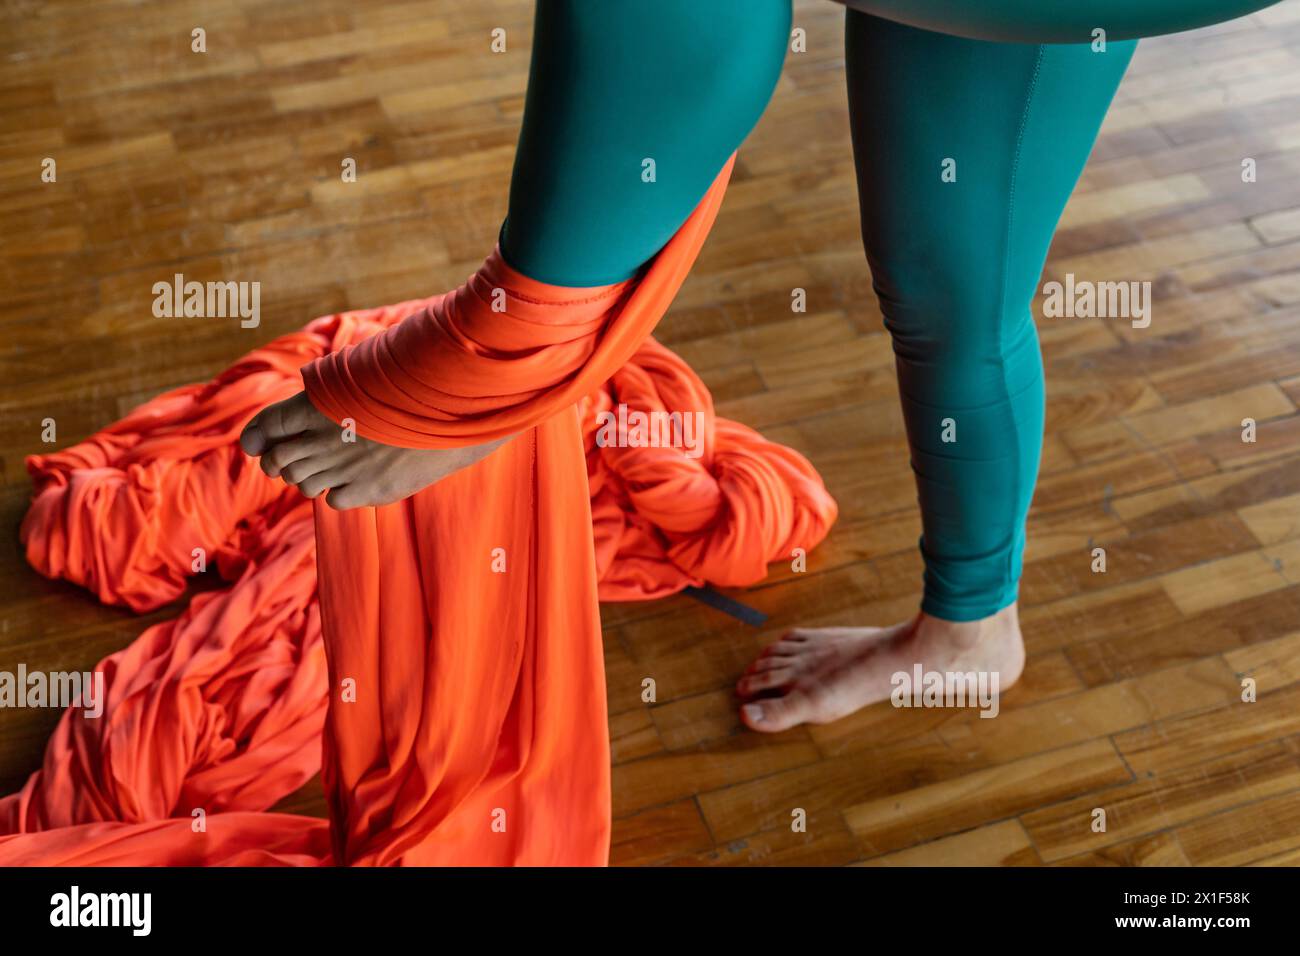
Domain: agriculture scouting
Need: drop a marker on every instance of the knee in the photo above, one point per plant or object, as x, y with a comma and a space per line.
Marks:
715, 60
941, 309
724, 94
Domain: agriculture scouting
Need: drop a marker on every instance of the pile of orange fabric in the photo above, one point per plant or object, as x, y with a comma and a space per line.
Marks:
437, 660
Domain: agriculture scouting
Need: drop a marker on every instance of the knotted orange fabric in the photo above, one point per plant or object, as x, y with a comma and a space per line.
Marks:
448, 646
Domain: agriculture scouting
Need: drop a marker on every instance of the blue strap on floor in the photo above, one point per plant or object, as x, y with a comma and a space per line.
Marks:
720, 602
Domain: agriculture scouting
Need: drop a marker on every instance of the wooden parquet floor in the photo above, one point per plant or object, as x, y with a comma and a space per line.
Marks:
226, 165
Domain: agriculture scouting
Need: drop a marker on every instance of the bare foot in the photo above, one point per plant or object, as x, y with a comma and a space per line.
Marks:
817, 675
302, 446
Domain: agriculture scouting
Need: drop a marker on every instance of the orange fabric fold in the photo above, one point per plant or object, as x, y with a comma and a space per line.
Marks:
438, 660
504, 352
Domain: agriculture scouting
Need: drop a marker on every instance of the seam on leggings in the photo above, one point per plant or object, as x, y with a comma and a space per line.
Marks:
1002, 303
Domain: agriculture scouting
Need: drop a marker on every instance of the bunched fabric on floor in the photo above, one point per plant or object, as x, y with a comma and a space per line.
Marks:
446, 648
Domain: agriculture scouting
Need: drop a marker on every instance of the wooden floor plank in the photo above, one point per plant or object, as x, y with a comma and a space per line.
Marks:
998, 844
923, 813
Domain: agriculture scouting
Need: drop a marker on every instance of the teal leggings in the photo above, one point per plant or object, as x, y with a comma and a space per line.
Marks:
971, 122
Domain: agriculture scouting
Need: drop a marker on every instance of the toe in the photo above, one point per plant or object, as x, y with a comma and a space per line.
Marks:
319, 483
297, 458
279, 421
773, 714
756, 684
252, 439
770, 663
782, 648
345, 497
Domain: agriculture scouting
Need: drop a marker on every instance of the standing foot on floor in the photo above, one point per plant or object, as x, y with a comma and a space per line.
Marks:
818, 675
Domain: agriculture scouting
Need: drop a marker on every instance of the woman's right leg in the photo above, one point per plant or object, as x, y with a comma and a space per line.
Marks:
966, 153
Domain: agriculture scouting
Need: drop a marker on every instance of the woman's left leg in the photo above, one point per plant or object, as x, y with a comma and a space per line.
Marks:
966, 153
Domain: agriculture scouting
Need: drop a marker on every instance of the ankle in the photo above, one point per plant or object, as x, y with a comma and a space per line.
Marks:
968, 634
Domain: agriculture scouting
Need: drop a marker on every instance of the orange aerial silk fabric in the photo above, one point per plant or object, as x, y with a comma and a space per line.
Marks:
438, 660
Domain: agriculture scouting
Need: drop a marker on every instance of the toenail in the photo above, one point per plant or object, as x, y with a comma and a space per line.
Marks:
754, 712
253, 440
